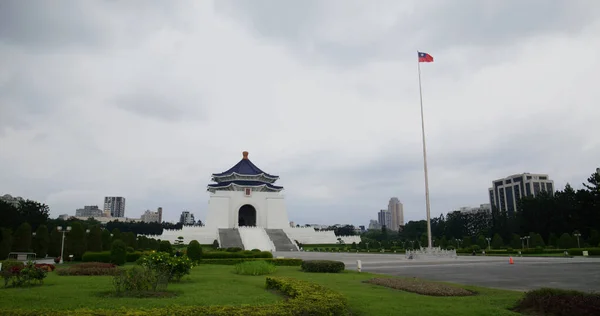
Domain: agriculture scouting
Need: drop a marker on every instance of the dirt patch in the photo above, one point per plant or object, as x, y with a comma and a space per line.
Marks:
422, 287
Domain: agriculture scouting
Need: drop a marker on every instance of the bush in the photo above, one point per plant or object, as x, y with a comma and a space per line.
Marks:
90, 256
165, 246
323, 266
277, 262
234, 249
23, 275
137, 280
255, 268
89, 268
420, 286
240, 254
163, 263
304, 298
8, 264
194, 250
133, 256
559, 302
118, 252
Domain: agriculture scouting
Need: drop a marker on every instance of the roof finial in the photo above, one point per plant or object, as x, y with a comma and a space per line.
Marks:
245, 154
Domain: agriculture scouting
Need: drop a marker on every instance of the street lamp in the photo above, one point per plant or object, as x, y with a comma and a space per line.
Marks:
522, 242
577, 235
62, 247
527, 238
488, 240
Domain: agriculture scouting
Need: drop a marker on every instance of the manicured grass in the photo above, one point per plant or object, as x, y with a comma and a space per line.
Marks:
218, 285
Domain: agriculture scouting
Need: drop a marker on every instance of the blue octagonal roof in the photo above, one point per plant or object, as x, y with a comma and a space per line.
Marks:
245, 167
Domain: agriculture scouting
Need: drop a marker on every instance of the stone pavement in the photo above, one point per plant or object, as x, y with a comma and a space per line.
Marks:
525, 274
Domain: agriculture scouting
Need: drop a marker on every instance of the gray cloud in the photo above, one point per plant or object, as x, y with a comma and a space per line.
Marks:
438, 26
146, 102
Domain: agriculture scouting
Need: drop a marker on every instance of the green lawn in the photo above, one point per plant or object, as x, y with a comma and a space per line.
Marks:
217, 285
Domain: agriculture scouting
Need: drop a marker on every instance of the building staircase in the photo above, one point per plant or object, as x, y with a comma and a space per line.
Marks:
230, 237
281, 240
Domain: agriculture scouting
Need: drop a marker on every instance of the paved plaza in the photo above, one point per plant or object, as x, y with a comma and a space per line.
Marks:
525, 274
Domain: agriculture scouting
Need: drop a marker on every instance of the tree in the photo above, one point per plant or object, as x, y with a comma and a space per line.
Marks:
515, 241
118, 252
75, 243
5, 242
194, 250
41, 241
22, 240
95, 239
481, 242
536, 240
54, 243
566, 241
497, 241
553, 240
34, 213
116, 233
106, 240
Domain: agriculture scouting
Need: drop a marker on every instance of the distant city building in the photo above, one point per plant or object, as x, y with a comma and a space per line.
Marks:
89, 211
362, 228
374, 224
160, 214
115, 206
11, 200
505, 193
106, 219
483, 208
384, 217
292, 224
187, 218
63, 217
396, 210
151, 217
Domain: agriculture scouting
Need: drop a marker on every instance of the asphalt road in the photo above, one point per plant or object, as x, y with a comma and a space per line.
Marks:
526, 273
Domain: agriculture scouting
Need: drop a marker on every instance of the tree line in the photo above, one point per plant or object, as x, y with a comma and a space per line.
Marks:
566, 218
26, 227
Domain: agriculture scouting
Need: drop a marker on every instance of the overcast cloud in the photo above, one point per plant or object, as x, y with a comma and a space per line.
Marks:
111, 98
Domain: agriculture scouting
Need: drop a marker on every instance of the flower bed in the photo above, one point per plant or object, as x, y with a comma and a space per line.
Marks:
89, 268
418, 286
17, 275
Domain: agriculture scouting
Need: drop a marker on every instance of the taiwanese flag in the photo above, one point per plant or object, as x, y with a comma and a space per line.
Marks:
425, 58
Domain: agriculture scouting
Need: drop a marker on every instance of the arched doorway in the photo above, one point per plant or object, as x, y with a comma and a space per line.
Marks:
247, 216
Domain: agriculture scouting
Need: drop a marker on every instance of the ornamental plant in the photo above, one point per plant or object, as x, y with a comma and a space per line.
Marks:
23, 275
165, 264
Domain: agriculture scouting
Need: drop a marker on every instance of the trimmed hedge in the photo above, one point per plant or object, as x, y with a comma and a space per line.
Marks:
323, 266
104, 256
557, 302
534, 251
278, 262
239, 254
305, 298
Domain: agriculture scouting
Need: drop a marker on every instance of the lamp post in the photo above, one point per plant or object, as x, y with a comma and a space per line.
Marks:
522, 242
488, 240
527, 238
577, 235
62, 247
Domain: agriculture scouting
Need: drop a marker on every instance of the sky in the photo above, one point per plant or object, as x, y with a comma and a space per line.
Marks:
113, 98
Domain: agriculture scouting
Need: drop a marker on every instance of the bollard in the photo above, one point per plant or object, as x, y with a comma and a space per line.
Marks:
358, 265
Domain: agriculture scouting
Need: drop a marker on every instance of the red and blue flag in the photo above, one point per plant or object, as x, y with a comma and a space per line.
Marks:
425, 58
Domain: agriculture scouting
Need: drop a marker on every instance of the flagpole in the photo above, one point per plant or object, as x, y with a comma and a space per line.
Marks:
427, 205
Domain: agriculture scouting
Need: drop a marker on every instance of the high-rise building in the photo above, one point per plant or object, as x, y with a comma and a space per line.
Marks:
396, 210
151, 217
89, 211
483, 208
160, 220
384, 217
187, 218
115, 206
505, 193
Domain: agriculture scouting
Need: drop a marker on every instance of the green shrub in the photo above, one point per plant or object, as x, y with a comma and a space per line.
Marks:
118, 252
240, 254
163, 263
579, 251
233, 261
23, 275
234, 249
304, 298
254, 268
194, 250
165, 246
323, 266
90, 256
138, 279
133, 256
559, 303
